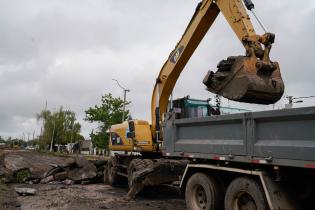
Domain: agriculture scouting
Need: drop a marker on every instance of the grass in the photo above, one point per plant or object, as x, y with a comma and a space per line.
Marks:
21, 175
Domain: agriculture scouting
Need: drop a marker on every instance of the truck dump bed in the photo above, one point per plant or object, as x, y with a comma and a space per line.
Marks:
279, 137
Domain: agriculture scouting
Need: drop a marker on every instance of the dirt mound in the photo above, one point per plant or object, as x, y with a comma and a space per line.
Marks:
35, 167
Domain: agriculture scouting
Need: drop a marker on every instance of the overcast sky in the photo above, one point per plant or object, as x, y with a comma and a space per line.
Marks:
66, 52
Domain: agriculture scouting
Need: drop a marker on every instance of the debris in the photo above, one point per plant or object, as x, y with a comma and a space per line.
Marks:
61, 176
85, 170
47, 179
37, 163
53, 170
25, 191
85, 182
35, 167
68, 182
100, 162
81, 162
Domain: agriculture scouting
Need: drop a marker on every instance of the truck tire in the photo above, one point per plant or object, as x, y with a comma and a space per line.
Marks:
245, 193
202, 193
136, 165
110, 175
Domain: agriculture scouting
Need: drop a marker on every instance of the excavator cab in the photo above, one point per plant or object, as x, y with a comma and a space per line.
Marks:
187, 107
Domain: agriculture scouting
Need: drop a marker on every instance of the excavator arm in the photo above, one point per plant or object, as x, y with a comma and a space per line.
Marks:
251, 78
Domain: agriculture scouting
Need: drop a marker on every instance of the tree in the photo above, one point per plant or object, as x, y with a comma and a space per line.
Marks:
110, 112
2, 140
59, 127
15, 143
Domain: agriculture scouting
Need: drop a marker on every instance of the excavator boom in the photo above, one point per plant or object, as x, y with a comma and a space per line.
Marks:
252, 78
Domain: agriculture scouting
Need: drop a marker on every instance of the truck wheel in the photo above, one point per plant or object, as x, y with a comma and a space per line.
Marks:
202, 193
136, 165
245, 194
111, 176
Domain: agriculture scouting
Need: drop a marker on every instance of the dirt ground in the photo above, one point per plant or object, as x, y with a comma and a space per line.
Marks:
96, 197
82, 197
8, 198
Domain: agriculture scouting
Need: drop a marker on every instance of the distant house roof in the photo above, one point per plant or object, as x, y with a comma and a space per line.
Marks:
86, 144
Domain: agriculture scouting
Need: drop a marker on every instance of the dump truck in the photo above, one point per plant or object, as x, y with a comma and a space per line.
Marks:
251, 160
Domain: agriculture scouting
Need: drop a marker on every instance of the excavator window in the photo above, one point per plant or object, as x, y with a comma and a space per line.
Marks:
131, 132
115, 139
198, 111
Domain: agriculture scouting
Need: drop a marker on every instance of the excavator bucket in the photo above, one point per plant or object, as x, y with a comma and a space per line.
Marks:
246, 79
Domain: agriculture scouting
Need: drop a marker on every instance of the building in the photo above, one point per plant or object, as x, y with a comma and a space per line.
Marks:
86, 147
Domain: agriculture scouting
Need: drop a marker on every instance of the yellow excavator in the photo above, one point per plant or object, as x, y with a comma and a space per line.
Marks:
252, 78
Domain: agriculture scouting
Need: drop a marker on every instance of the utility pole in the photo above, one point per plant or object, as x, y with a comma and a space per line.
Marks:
52, 138
41, 136
125, 93
72, 127
53, 133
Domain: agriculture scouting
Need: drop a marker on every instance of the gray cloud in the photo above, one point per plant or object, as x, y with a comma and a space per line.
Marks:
67, 52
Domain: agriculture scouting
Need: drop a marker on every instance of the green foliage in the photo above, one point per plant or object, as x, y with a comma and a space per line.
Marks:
33, 142
21, 175
2, 140
13, 143
99, 139
18, 143
59, 126
110, 112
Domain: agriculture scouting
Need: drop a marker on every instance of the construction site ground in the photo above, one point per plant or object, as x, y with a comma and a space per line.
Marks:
58, 195
92, 196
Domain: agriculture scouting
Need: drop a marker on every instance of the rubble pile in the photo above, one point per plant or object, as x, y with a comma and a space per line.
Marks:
34, 168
